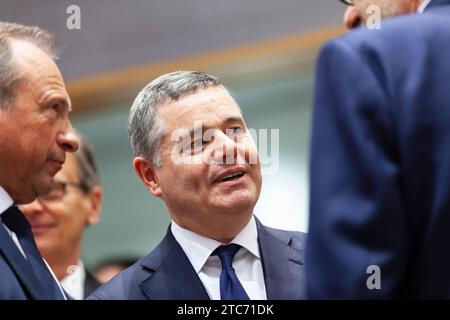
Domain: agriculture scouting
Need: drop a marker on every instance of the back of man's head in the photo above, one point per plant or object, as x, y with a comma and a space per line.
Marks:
87, 167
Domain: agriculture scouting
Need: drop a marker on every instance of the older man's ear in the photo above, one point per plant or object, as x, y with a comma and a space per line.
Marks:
145, 170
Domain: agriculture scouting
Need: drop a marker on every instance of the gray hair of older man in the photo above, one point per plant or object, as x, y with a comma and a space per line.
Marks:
145, 128
88, 173
9, 73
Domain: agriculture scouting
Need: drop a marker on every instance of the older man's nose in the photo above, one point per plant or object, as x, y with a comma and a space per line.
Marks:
68, 140
352, 17
225, 149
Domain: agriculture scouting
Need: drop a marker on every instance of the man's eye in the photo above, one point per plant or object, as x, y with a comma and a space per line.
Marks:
56, 106
235, 131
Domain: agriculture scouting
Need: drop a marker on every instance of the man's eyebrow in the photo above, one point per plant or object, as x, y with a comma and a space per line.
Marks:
64, 100
226, 121
233, 119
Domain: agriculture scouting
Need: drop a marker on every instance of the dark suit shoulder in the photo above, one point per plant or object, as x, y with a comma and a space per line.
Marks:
412, 29
296, 239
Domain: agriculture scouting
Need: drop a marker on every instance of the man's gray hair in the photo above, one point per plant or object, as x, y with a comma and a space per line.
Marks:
9, 75
145, 129
87, 167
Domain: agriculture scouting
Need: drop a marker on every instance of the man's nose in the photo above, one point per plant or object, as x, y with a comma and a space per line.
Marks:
352, 17
68, 140
226, 148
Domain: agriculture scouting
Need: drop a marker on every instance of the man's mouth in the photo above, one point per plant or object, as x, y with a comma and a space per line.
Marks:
41, 228
234, 176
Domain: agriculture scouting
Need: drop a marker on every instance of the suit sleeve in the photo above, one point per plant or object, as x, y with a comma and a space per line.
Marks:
356, 215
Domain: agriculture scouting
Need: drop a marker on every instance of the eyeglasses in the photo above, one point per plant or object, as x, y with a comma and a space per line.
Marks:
58, 191
348, 2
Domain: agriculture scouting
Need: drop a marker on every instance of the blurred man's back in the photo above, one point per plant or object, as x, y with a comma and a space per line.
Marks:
380, 167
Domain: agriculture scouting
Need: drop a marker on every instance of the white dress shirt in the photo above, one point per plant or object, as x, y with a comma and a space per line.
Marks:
73, 283
423, 6
5, 202
247, 261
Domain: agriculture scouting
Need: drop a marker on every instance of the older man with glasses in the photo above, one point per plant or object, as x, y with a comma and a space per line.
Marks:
380, 157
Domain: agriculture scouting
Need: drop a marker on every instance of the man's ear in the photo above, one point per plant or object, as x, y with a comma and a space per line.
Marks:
95, 202
146, 172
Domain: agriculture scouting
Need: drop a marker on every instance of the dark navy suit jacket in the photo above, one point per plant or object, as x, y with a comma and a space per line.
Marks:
167, 274
17, 279
380, 165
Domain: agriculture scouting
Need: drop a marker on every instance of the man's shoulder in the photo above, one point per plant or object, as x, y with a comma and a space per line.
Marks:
399, 31
391, 49
296, 239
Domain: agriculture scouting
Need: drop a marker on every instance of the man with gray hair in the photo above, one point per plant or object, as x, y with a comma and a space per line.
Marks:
35, 135
58, 220
193, 150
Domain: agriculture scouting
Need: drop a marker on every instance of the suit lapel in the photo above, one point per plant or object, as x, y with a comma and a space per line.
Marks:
20, 266
282, 265
172, 275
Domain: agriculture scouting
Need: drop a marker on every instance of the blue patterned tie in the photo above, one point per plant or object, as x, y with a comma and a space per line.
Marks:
16, 222
230, 287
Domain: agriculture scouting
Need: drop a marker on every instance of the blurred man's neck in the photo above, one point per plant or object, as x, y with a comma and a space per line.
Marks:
62, 265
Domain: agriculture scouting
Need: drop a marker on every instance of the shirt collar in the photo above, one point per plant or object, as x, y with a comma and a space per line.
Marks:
5, 200
199, 248
423, 6
73, 283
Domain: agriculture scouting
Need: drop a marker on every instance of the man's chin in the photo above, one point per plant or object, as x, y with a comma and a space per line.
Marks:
43, 186
237, 205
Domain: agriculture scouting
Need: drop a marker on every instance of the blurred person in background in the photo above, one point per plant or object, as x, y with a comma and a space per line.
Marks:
380, 158
58, 220
108, 269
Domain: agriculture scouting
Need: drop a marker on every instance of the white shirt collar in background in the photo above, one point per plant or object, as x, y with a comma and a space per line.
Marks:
73, 283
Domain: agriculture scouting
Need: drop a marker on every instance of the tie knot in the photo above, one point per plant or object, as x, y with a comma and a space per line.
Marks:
226, 254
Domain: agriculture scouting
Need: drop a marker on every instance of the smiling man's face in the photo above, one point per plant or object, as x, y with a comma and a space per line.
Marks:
218, 177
